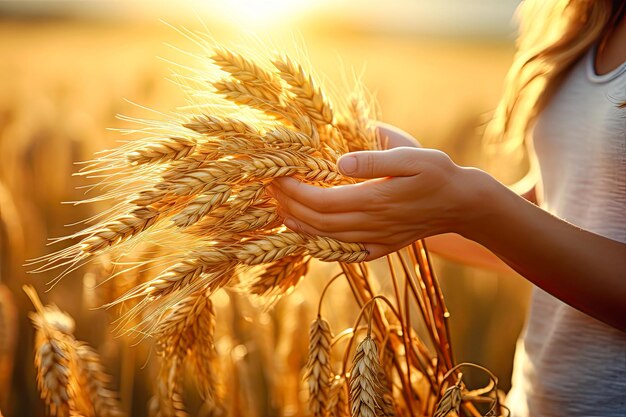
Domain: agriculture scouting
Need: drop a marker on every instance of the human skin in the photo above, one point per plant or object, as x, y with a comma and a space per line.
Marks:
413, 193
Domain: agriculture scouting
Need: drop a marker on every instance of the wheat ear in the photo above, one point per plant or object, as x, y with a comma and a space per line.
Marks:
318, 368
306, 93
165, 150
121, 229
280, 276
52, 356
105, 401
365, 387
245, 70
186, 326
338, 398
450, 401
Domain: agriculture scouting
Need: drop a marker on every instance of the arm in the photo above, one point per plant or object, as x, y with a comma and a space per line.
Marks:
414, 193
452, 246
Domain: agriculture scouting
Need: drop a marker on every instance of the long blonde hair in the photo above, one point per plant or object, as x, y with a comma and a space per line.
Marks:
554, 34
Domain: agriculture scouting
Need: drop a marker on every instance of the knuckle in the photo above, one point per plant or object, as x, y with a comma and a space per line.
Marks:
442, 159
369, 164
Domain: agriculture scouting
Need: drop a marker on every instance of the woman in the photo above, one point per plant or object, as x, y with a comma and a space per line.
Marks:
565, 97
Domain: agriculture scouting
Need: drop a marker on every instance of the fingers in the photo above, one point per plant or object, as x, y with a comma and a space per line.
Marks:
377, 250
356, 236
393, 137
397, 162
323, 223
340, 199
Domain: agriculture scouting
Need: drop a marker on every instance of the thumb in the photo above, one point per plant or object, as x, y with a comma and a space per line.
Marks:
397, 162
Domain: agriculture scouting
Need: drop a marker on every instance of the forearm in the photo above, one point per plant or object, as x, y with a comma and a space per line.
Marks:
583, 269
454, 247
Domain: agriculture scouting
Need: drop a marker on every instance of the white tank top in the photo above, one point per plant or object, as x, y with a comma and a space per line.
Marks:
568, 363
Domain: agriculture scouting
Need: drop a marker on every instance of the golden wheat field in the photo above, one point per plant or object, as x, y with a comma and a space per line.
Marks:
62, 85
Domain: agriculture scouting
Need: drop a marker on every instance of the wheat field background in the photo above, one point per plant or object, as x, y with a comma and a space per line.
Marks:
62, 82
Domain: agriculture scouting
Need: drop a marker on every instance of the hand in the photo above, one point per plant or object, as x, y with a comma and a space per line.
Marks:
410, 194
393, 137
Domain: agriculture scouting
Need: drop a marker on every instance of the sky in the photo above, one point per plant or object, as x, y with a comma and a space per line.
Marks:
439, 17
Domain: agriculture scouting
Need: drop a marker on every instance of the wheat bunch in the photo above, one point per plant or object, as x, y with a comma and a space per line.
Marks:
194, 188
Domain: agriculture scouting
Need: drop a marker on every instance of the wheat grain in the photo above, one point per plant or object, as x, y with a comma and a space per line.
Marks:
250, 95
364, 390
185, 331
188, 271
281, 135
70, 376
165, 403
203, 355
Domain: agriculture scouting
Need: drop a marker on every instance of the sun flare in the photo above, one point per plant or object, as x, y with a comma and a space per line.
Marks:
264, 13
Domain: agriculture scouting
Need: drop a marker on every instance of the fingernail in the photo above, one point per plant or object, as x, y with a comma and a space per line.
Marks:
290, 224
348, 165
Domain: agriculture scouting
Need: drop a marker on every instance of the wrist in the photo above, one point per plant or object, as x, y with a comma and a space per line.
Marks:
484, 206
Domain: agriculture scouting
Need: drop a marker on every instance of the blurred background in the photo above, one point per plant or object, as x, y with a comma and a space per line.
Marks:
67, 68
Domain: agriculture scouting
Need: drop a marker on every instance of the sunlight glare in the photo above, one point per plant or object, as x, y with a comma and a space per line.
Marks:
264, 13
